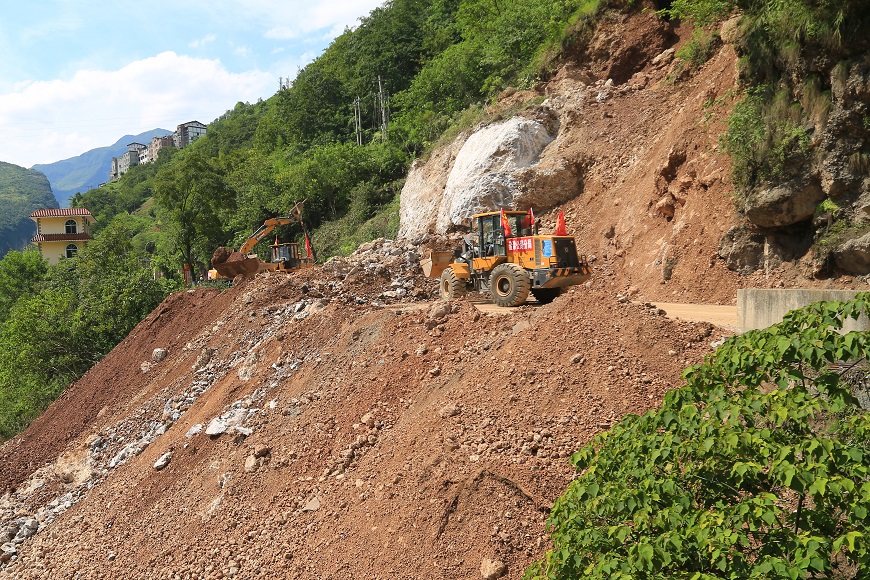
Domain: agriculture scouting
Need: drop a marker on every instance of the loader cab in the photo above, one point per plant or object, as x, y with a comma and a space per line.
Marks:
490, 235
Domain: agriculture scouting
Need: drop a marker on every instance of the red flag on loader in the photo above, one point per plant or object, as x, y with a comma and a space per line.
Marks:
505, 224
531, 218
560, 225
308, 247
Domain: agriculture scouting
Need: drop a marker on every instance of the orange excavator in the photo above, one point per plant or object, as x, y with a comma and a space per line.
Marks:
227, 263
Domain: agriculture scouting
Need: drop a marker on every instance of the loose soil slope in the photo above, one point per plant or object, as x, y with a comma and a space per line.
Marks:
404, 441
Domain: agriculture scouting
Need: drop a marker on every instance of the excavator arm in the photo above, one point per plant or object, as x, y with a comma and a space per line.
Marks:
269, 225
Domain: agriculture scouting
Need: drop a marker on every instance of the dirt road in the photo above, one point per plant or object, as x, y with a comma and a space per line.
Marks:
722, 316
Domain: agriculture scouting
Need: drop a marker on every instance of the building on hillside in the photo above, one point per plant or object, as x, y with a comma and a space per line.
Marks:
61, 233
187, 133
132, 158
114, 173
158, 143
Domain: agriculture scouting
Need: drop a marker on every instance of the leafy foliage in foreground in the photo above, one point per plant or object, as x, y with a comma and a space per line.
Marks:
757, 468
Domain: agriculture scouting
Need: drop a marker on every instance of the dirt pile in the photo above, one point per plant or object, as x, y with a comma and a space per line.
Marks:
288, 427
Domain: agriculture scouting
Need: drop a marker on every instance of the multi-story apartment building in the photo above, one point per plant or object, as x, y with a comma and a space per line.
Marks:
138, 154
158, 143
187, 133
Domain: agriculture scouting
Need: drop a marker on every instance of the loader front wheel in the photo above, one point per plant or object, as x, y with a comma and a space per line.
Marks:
451, 287
509, 285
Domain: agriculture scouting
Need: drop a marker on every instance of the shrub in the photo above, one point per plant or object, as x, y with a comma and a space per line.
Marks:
756, 468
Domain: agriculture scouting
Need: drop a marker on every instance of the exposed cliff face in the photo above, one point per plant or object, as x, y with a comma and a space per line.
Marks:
634, 158
831, 86
633, 161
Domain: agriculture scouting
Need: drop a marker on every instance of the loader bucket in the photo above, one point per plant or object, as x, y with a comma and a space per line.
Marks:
435, 263
238, 264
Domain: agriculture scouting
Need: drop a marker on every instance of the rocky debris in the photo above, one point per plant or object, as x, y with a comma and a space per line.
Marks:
158, 355
363, 276
231, 421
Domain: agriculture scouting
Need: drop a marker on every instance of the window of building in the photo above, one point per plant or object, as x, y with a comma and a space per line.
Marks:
71, 227
71, 250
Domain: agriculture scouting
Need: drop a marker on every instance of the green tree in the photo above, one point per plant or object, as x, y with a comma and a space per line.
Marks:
757, 468
20, 274
193, 191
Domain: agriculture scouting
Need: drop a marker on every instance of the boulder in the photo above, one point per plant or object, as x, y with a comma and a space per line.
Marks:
497, 166
784, 205
742, 248
483, 176
853, 256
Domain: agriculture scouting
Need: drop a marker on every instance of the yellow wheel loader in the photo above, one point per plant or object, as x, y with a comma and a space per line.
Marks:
494, 258
285, 257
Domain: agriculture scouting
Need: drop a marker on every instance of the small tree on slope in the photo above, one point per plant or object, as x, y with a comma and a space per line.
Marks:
756, 468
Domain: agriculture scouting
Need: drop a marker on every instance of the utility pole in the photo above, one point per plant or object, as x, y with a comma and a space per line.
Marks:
357, 120
383, 109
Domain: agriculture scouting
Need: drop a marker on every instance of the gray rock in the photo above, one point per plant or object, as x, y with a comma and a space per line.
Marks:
195, 430
217, 427
312, 505
785, 204
742, 248
158, 354
854, 255
492, 569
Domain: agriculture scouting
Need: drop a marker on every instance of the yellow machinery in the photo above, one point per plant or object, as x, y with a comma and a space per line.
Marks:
285, 257
508, 266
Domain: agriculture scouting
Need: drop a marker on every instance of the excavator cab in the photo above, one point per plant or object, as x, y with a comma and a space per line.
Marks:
286, 254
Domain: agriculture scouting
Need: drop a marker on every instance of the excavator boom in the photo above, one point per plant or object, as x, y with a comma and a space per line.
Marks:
230, 264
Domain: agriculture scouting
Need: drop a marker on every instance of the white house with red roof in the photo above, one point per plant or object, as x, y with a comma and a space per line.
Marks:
61, 233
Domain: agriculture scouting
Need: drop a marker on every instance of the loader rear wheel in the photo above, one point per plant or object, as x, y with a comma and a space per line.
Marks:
546, 295
509, 285
451, 287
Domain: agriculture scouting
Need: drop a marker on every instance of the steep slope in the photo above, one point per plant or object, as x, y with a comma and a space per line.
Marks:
341, 423
90, 169
22, 191
362, 440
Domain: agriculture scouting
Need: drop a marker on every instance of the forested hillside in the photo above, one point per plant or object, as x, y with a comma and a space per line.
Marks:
437, 61
21, 192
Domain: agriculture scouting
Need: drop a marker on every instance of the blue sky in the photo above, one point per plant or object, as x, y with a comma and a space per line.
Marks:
76, 75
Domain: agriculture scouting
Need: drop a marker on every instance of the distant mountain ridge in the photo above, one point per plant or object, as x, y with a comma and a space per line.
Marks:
22, 191
90, 169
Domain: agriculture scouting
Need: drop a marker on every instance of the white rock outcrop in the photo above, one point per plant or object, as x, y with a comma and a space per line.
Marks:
487, 173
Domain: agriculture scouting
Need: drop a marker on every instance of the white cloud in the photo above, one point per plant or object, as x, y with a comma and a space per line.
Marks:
44, 122
291, 20
201, 42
